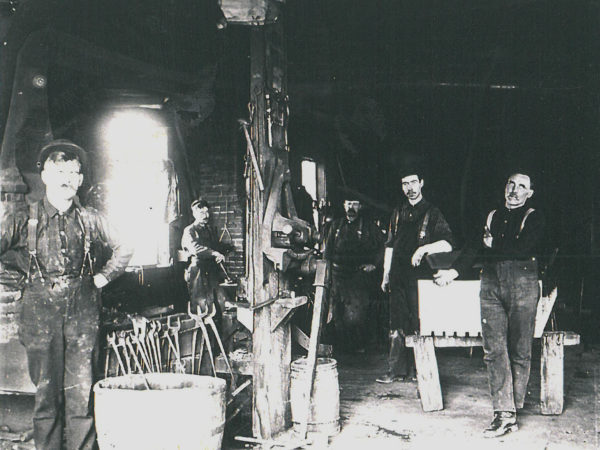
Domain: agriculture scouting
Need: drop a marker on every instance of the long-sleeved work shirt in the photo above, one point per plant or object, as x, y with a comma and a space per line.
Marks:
199, 241
406, 234
60, 240
509, 241
352, 244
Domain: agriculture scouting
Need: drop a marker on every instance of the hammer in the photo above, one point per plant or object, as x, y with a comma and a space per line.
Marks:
245, 124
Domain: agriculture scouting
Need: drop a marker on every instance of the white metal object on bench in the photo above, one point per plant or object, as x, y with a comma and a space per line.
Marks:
453, 310
450, 317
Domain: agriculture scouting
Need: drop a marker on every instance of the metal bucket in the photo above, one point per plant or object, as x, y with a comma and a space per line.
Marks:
179, 411
324, 416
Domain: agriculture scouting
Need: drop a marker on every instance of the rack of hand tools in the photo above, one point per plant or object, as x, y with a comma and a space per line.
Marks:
179, 343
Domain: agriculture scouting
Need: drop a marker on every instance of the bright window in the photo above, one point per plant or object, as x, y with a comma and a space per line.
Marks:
309, 177
136, 147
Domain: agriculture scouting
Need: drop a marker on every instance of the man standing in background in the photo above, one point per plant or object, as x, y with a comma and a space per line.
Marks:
353, 247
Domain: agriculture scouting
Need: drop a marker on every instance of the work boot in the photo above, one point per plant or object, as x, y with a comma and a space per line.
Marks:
389, 378
504, 422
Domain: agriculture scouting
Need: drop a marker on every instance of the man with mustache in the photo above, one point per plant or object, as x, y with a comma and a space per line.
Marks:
508, 246
60, 306
203, 274
353, 247
416, 228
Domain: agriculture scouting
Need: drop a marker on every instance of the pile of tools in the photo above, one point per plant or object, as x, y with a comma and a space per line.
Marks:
167, 344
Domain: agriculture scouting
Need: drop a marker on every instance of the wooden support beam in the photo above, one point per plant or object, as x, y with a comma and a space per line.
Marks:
283, 309
552, 373
428, 378
271, 348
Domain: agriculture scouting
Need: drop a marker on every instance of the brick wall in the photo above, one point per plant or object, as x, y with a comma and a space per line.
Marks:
220, 176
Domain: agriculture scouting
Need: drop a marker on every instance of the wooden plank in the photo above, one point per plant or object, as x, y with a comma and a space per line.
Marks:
428, 378
448, 341
570, 338
315, 331
284, 308
544, 309
325, 350
242, 366
552, 373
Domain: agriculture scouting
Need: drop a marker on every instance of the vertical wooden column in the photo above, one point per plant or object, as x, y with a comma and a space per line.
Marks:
552, 378
271, 349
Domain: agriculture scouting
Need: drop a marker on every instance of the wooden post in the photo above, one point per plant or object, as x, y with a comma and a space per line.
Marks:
552, 379
428, 378
271, 349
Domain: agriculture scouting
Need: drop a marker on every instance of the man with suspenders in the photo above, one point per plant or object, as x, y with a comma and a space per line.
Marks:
509, 293
416, 228
60, 306
353, 246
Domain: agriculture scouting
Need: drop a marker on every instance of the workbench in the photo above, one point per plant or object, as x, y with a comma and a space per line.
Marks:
450, 317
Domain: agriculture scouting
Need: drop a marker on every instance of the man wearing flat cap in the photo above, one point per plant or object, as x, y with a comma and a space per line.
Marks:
200, 241
60, 315
416, 228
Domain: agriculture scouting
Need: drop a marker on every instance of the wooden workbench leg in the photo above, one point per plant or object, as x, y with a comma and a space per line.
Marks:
552, 373
428, 378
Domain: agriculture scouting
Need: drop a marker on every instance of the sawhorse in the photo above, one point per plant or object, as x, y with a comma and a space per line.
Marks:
552, 367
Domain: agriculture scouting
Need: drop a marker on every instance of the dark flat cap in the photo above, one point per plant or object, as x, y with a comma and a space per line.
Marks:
62, 145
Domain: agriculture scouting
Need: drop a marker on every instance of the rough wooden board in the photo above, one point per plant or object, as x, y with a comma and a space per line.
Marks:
552, 373
239, 366
302, 339
283, 309
448, 341
570, 338
544, 310
427, 374
315, 332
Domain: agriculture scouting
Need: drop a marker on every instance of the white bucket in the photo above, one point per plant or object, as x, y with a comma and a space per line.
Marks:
179, 411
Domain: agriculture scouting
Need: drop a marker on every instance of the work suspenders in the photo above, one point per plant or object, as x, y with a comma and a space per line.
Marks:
422, 231
32, 228
491, 216
32, 224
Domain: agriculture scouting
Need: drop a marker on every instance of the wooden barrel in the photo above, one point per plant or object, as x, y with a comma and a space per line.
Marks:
179, 411
324, 416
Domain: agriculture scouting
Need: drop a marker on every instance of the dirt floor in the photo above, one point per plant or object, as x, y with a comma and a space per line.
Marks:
390, 416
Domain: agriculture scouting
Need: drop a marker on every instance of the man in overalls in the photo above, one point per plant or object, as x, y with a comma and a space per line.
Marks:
508, 246
60, 315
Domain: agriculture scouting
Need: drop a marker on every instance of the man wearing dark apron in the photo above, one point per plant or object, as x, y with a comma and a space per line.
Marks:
416, 228
353, 247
